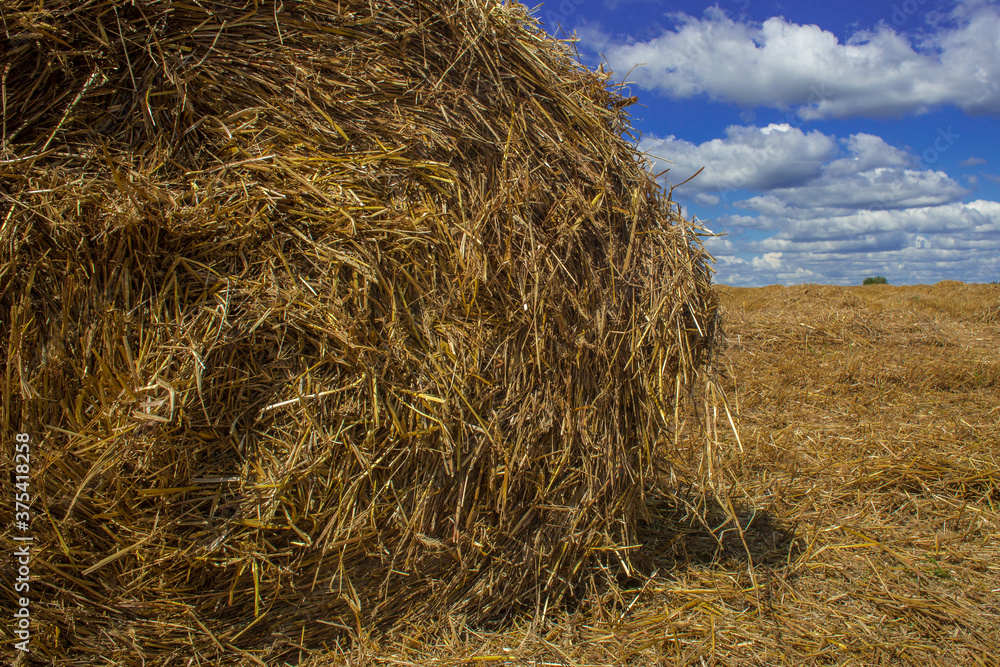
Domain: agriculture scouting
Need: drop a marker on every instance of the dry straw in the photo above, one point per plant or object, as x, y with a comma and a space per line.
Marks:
326, 315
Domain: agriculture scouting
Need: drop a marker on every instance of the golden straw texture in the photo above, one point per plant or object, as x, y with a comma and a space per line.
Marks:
327, 315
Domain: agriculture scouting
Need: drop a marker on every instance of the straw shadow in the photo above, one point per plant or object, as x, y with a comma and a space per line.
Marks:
675, 537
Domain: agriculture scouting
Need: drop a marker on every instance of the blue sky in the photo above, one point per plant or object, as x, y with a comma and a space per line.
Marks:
839, 139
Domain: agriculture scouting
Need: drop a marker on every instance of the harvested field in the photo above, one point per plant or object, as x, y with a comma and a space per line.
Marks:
869, 486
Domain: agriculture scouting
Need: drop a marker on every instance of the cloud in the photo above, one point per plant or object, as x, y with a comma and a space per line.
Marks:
798, 170
977, 218
972, 162
880, 188
774, 266
784, 65
867, 208
918, 245
770, 261
748, 158
829, 210
874, 175
867, 152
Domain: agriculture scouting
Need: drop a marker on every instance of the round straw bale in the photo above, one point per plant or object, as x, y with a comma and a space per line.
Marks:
326, 315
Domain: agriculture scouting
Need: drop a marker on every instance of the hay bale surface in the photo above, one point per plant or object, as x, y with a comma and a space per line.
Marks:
326, 315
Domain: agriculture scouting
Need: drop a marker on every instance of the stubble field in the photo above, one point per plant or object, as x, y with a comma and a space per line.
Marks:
867, 482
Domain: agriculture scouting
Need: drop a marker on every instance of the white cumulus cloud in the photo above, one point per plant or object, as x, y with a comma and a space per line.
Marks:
785, 65
861, 207
878, 188
748, 157
917, 245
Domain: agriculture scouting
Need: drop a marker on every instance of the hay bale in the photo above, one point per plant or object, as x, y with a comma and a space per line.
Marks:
325, 315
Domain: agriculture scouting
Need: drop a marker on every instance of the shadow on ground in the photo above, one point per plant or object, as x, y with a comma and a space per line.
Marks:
675, 538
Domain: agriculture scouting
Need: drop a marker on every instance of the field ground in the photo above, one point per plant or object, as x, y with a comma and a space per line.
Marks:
868, 484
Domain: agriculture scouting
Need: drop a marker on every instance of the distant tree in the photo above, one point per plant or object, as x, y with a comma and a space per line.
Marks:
875, 280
